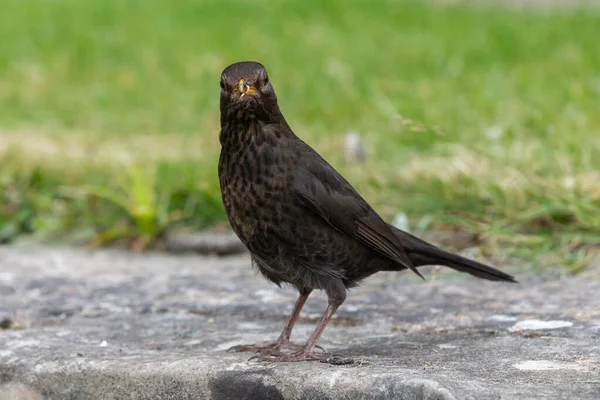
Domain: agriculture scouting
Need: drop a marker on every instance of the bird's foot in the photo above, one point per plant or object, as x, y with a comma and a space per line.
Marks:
302, 355
271, 349
268, 349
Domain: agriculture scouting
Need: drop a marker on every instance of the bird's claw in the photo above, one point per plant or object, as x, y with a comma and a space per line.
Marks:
320, 348
272, 348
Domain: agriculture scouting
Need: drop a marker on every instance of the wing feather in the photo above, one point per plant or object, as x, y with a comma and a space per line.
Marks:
319, 187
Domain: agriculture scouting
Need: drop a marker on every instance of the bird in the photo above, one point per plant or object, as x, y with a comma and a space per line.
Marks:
303, 224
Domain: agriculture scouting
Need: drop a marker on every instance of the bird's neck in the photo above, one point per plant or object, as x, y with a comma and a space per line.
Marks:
239, 133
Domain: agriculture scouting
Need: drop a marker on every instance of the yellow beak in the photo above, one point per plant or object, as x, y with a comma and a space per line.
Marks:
243, 88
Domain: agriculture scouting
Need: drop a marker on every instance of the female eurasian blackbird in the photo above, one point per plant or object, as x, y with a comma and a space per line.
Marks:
302, 222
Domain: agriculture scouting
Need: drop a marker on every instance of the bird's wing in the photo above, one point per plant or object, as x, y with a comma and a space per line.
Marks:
319, 187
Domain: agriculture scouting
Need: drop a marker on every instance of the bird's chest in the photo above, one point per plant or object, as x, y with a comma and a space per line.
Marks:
253, 192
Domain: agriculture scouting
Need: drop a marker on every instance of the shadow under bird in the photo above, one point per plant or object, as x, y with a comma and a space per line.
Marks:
302, 222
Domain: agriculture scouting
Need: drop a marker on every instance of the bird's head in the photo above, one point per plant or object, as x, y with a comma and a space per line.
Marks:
247, 93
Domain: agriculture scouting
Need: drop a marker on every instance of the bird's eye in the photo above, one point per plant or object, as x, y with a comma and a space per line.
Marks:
222, 84
266, 80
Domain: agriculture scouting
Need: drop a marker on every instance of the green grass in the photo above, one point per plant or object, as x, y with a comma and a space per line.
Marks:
476, 117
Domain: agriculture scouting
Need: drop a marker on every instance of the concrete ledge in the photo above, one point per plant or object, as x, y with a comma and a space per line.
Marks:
112, 325
157, 378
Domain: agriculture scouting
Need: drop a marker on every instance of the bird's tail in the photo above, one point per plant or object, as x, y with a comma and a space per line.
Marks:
422, 253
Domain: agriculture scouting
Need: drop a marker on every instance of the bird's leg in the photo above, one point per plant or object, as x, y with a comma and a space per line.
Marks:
336, 294
284, 339
307, 352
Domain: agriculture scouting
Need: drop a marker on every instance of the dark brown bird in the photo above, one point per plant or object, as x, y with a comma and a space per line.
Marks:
302, 222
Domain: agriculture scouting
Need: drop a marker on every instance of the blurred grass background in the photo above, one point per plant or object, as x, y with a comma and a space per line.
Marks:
476, 117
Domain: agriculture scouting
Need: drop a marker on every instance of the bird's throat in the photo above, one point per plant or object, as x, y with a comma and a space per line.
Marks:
238, 135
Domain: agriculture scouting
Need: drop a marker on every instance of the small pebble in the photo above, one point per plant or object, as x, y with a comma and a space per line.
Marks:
536, 324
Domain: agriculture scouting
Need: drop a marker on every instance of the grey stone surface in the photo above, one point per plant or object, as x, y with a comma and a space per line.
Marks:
113, 325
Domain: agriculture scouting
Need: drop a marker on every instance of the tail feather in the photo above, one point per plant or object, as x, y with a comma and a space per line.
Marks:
422, 253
